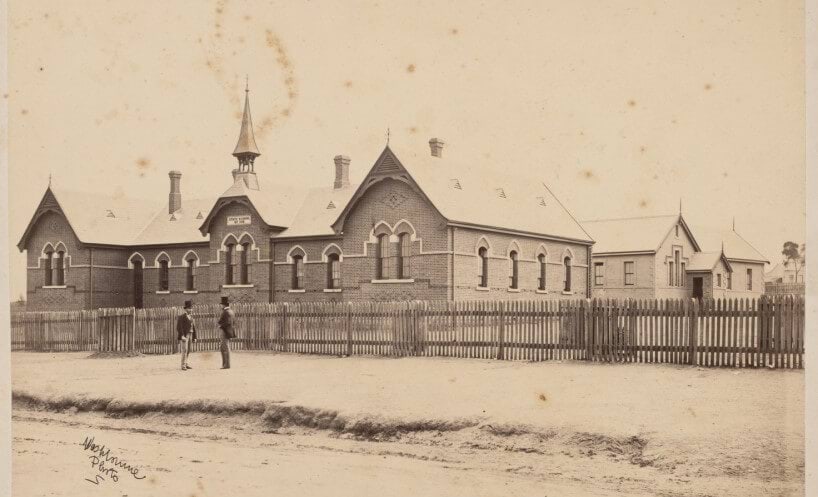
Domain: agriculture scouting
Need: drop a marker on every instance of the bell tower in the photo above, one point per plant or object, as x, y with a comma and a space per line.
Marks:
246, 150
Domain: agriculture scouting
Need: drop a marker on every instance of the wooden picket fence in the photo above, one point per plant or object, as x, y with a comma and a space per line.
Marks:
767, 332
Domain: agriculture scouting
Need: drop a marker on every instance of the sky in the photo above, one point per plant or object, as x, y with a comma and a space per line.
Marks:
622, 108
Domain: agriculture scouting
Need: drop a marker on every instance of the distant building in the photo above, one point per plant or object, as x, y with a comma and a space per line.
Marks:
784, 272
418, 226
659, 257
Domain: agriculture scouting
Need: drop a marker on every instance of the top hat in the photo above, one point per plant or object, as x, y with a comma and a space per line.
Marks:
188, 304
225, 300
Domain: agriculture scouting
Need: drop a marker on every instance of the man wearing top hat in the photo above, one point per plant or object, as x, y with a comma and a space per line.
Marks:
186, 331
226, 325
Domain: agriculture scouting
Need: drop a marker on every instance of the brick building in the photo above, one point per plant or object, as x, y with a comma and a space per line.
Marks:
658, 257
418, 226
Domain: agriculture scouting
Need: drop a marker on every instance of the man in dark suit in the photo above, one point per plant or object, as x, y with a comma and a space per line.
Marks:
226, 325
186, 333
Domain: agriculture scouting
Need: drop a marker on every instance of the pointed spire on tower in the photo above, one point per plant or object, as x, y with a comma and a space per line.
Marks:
246, 150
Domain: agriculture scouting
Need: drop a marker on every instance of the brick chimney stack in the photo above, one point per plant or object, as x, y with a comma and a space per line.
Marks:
175, 195
341, 171
436, 145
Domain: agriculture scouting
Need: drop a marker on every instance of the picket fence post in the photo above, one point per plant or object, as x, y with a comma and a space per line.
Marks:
501, 332
694, 332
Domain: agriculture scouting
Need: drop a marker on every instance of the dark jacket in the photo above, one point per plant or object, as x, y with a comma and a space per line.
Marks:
185, 325
226, 322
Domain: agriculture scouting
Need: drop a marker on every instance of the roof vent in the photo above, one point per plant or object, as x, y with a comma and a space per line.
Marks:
501, 193
331, 205
199, 216
541, 201
172, 217
110, 213
456, 184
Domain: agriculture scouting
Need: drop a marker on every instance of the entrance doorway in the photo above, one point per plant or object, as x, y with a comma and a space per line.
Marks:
137, 284
698, 288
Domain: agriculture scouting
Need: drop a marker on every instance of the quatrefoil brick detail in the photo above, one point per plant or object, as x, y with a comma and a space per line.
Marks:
394, 199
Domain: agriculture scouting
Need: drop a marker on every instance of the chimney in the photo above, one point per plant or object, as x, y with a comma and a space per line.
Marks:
175, 195
436, 145
341, 171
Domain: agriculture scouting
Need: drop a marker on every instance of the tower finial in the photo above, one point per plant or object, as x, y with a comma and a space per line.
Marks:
49, 180
387, 136
734, 223
246, 83
680, 206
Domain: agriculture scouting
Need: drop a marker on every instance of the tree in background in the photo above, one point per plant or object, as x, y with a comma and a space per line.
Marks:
795, 256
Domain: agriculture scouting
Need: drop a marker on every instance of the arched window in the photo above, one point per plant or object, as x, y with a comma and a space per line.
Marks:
567, 264
483, 268
514, 270
404, 256
164, 276
542, 264
60, 269
333, 271
190, 281
298, 272
229, 263
49, 276
382, 269
245, 263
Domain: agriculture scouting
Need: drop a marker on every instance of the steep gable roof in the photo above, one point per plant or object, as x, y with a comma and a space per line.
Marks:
180, 227
735, 246
485, 199
636, 234
318, 212
707, 261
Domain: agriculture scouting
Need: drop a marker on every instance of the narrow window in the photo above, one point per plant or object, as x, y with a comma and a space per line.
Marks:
333, 271
245, 263
676, 278
683, 281
630, 276
163, 276
599, 274
669, 274
483, 268
718, 280
677, 231
729, 280
298, 272
514, 274
229, 261
382, 263
749, 279
541, 280
404, 256
190, 282
60, 268
49, 277
567, 264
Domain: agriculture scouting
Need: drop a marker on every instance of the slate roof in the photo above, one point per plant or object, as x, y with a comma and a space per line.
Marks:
735, 246
470, 190
180, 227
705, 261
319, 210
636, 234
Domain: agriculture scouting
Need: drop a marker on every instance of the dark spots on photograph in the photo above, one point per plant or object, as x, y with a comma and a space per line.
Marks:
581, 133
24, 111
707, 86
587, 174
454, 31
348, 84
410, 68
240, 40
643, 149
631, 103
143, 163
655, 176
42, 68
413, 130
724, 174
673, 121
247, 17
542, 397
643, 203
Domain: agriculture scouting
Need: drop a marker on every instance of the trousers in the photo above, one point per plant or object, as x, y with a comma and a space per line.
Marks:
184, 346
224, 347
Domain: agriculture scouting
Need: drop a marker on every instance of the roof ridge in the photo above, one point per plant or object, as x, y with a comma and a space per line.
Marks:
627, 218
568, 211
751, 246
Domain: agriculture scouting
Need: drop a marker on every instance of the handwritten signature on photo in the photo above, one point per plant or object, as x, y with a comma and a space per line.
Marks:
106, 464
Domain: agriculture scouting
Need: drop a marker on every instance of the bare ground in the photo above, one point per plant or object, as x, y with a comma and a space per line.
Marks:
410, 426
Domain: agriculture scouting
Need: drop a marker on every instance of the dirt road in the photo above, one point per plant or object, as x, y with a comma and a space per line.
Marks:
327, 426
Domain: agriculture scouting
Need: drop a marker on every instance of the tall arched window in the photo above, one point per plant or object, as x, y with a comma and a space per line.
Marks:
513, 270
333, 271
190, 281
164, 276
382, 269
49, 277
245, 263
404, 256
567, 264
60, 268
229, 263
298, 272
483, 268
542, 265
